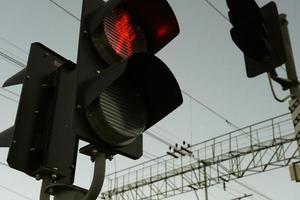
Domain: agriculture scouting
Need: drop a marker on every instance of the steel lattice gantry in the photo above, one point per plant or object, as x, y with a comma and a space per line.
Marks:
260, 147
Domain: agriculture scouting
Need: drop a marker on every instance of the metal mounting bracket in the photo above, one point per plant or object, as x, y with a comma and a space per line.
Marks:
70, 192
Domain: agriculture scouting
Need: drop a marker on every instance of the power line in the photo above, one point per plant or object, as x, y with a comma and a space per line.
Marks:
14, 45
169, 133
15, 192
253, 190
13, 60
9, 52
217, 10
65, 10
11, 92
16, 63
210, 109
158, 138
8, 98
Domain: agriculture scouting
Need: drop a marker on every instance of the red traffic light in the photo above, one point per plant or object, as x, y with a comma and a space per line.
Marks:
123, 88
123, 33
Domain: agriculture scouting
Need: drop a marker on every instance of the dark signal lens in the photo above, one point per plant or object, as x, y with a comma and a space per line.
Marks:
123, 33
119, 115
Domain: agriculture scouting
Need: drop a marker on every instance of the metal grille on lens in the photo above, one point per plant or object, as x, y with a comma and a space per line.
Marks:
123, 109
123, 34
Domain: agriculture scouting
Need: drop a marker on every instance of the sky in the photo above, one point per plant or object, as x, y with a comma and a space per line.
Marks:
205, 62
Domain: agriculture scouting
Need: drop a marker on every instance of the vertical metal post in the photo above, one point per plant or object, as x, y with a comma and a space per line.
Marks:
290, 63
205, 181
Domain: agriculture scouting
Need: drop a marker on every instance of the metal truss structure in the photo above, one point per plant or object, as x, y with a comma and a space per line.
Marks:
260, 147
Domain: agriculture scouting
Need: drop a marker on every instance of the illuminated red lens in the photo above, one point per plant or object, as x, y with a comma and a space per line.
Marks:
123, 33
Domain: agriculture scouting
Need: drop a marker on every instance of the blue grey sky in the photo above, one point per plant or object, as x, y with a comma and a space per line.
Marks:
203, 58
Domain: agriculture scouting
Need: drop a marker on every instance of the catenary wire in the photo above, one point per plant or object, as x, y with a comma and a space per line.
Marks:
210, 109
8, 98
13, 60
15, 56
15, 192
65, 10
169, 133
12, 44
217, 10
11, 92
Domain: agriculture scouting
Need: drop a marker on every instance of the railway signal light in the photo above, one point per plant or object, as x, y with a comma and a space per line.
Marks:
257, 33
116, 91
123, 89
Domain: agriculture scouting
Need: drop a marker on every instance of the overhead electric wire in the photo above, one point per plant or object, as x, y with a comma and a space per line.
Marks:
158, 138
11, 92
15, 192
232, 192
8, 98
169, 133
170, 139
216, 9
251, 188
13, 60
150, 154
16, 63
12, 44
65, 10
12, 54
210, 109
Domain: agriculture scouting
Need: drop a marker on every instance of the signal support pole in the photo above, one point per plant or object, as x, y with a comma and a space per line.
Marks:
291, 75
294, 103
290, 63
71, 192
